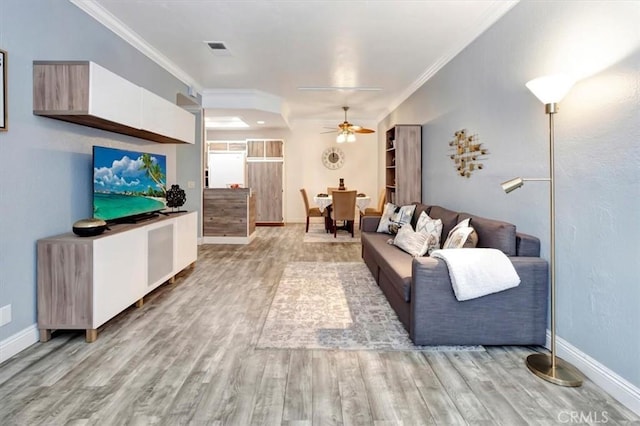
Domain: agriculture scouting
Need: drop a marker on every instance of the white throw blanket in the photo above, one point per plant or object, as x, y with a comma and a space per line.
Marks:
476, 272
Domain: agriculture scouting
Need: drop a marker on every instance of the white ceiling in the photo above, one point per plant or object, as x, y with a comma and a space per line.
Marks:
276, 47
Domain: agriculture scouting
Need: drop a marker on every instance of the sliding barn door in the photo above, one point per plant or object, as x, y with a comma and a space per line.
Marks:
265, 180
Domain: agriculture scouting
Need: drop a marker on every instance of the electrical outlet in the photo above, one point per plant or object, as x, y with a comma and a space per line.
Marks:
5, 315
191, 184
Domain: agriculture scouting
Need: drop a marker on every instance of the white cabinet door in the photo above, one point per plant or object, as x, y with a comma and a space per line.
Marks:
119, 273
162, 117
186, 240
113, 98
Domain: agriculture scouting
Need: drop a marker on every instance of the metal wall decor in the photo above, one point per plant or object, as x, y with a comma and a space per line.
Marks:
467, 153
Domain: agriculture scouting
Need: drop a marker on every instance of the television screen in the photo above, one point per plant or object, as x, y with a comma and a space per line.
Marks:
127, 183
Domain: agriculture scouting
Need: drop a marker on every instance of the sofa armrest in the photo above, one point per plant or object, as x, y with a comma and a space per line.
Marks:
527, 245
370, 223
514, 316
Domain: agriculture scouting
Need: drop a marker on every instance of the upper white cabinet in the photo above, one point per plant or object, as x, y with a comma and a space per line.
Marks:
163, 117
85, 93
123, 108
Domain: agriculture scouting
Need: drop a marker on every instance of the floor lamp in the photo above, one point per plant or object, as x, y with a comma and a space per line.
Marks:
550, 90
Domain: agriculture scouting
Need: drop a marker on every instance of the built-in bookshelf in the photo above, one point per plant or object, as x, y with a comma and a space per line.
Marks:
403, 164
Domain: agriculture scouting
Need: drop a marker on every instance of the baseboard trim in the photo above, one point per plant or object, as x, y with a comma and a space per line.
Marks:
18, 342
612, 383
228, 240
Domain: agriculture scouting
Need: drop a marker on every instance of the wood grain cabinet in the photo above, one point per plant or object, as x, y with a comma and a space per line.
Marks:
84, 282
265, 173
228, 216
83, 92
403, 164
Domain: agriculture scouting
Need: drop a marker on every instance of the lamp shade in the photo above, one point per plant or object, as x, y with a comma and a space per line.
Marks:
550, 89
342, 138
351, 137
512, 184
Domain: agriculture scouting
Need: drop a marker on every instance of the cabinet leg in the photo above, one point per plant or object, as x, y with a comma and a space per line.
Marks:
172, 280
91, 335
45, 335
140, 302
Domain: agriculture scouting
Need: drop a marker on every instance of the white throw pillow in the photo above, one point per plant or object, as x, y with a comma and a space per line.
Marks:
462, 235
432, 227
414, 243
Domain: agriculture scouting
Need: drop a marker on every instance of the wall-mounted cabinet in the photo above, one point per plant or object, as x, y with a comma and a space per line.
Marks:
83, 92
260, 149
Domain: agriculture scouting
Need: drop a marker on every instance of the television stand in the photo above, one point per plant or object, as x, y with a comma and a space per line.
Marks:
105, 274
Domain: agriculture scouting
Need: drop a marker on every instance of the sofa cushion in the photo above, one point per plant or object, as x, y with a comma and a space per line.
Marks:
494, 233
395, 263
448, 217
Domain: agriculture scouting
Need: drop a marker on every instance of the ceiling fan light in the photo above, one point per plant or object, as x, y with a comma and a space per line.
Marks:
341, 138
351, 137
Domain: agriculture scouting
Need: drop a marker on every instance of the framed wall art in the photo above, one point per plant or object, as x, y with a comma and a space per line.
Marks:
3, 91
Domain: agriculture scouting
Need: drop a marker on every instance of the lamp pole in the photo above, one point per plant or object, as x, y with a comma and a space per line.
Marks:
549, 367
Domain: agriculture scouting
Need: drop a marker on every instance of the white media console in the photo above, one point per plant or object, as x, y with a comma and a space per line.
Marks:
83, 282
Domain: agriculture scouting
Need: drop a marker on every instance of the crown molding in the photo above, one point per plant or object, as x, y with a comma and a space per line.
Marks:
104, 17
498, 9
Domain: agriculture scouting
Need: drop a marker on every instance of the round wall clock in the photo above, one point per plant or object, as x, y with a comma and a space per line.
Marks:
333, 158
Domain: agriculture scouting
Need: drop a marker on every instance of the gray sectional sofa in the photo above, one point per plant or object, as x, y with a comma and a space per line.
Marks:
419, 289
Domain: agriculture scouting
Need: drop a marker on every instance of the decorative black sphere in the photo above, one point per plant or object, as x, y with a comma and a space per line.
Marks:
175, 196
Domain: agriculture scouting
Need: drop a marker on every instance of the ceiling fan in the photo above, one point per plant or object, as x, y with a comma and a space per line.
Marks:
346, 131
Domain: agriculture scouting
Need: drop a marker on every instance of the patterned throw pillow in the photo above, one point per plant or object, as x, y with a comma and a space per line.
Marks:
388, 212
414, 243
393, 217
461, 236
432, 227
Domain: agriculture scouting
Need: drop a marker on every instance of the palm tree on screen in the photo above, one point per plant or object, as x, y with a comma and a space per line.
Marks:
154, 171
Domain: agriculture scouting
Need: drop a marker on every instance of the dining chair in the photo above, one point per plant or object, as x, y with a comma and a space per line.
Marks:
344, 208
377, 211
310, 211
330, 189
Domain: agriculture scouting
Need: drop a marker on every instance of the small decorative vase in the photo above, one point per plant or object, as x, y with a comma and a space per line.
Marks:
341, 185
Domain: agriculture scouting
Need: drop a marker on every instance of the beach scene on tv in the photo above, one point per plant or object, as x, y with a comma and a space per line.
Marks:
127, 183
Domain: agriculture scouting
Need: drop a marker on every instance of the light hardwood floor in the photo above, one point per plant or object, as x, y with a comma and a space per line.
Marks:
188, 357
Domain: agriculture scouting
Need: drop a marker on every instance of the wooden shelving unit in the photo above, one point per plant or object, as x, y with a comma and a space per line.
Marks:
403, 164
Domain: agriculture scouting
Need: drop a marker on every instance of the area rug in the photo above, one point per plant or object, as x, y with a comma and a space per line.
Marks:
317, 234
331, 305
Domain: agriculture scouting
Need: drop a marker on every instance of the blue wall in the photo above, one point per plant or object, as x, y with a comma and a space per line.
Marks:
597, 156
45, 177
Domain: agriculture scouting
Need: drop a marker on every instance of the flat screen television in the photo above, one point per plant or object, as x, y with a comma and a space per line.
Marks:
127, 185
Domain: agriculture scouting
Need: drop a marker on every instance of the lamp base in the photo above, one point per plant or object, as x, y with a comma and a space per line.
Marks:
564, 374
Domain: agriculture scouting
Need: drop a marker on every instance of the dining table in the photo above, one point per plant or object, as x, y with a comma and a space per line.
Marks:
324, 203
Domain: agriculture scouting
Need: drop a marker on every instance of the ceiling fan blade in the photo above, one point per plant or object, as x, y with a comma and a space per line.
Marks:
328, 131
364, 130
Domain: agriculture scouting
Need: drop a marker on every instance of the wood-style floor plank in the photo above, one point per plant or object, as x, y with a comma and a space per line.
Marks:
188, 356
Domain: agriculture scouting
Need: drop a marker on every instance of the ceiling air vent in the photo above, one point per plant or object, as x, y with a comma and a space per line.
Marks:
216, 45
